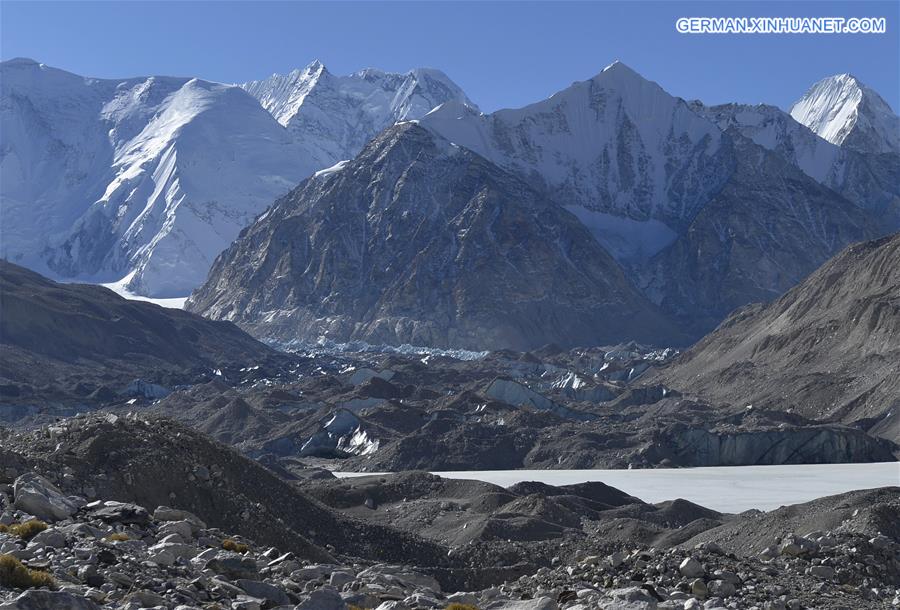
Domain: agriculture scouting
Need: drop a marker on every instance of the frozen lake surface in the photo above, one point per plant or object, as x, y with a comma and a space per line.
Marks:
731, 489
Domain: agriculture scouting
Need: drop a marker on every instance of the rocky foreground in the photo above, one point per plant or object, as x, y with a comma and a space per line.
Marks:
88, 521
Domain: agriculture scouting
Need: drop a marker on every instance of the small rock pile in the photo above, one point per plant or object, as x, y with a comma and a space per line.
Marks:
820, 570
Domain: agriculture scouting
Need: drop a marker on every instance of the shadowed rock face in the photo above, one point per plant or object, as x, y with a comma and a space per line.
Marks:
829, 349
769, 227
419, 241
66, 335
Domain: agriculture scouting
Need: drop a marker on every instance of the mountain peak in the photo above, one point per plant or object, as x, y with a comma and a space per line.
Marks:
846, 112
312, 70
618, 65
421, 74
618, 70
20, 61
379, 98
316, 66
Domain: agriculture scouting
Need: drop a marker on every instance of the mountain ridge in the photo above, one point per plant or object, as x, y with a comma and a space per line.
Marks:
367, 102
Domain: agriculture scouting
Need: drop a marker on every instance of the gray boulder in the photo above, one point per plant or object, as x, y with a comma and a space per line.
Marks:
122, 512
691, 568
263, 590
325, 598
39, 497
165, 513
541, 603
39, 599
400, 574
233, 566
51, 537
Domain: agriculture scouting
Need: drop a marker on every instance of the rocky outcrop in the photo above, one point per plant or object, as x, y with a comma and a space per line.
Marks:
516, 394
159, 463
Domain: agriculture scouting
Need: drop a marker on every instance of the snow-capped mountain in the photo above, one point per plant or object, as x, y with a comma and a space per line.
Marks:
704, 218
634, 163
685, 196
333, 117
144, 181
846, 112
776, 130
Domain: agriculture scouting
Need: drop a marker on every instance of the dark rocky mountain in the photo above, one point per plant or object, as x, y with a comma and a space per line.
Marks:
84, 343
420, 241
829, 349
769, 227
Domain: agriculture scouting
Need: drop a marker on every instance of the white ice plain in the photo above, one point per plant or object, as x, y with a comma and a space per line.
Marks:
730, 489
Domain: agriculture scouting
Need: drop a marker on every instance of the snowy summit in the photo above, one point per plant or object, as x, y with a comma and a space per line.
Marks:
846, 112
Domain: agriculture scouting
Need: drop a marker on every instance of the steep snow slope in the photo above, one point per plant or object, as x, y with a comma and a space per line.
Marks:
207, 161
145, 178
846, 112
54, 156
633, 162
334, 116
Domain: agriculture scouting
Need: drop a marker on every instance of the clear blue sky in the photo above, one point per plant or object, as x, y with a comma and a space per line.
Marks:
504, 54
